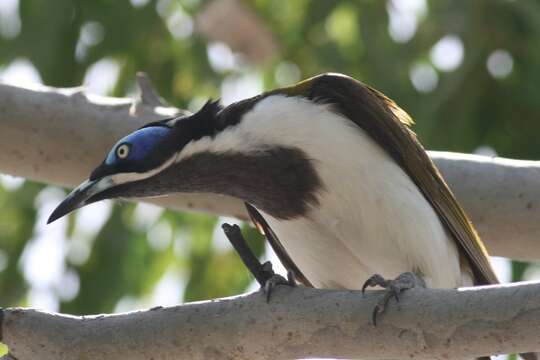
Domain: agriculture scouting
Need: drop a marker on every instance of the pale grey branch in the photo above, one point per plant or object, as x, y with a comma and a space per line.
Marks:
148, 94
502, 196
298, 323
58, 136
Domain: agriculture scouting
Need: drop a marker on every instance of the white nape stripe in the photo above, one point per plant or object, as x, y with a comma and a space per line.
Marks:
370, 219
266, 125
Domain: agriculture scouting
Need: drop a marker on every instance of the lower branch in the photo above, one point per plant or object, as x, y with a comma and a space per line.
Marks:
297, 323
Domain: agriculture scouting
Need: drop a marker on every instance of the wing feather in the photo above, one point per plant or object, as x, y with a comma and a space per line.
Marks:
388, 124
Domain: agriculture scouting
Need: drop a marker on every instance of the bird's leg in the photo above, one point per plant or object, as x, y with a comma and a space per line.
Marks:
276, 279
263, 273
393, 288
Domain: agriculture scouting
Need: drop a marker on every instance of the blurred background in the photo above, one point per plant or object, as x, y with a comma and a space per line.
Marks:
467, 71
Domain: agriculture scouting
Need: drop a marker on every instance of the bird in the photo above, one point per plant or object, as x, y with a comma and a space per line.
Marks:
329, 168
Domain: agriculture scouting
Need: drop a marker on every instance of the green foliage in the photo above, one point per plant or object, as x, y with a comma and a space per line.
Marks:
458, 109
3, 349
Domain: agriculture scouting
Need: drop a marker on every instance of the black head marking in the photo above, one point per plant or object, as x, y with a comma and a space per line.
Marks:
232, 114
198, 125
280, 181
153, 144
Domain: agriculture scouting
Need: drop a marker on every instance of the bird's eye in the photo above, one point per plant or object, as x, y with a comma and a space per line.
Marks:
122, 151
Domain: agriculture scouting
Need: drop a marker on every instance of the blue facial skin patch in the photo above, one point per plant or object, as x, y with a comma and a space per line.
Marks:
140, 142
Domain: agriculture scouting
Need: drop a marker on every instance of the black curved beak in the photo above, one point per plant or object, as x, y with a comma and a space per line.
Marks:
78, 198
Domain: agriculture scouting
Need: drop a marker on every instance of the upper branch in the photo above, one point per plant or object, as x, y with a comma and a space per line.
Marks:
58, 135
298, 323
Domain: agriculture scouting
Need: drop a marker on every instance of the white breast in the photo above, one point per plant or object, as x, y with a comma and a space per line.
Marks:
371, 219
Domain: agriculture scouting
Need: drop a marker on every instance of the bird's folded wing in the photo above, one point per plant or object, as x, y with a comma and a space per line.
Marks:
388, 124
429, 180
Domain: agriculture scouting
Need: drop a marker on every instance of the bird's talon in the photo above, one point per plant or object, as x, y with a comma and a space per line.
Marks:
275, 280
364, 287
376, 311
393, 288
374, 280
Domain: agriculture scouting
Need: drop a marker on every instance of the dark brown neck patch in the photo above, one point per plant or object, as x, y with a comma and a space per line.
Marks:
280, 181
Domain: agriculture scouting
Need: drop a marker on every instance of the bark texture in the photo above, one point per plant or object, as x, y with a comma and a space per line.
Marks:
58, 136
297, 323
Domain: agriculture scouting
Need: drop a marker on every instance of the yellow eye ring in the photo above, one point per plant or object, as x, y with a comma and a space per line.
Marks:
122, 151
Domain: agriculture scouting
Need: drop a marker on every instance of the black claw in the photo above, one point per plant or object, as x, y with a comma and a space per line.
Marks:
374, 280
393, 290
276, 280
369, 282
374, 315
366, 284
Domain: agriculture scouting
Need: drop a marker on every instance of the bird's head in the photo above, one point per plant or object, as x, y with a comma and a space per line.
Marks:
215, 150
137, 158
277, 151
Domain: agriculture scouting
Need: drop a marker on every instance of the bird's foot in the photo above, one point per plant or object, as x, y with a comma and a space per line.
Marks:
274, 280
393, 288
264, 273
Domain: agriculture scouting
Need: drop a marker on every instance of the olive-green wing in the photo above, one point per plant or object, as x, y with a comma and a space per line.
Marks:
387, 124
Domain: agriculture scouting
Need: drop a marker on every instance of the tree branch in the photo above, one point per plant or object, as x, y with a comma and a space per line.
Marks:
298, 323
147, 94
502, 197
57, 136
